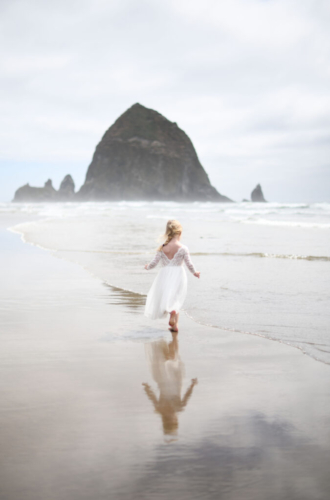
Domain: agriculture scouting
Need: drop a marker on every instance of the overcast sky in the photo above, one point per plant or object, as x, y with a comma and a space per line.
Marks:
247, 80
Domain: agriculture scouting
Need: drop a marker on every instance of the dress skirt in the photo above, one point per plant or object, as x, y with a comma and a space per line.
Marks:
167, 293
168, 372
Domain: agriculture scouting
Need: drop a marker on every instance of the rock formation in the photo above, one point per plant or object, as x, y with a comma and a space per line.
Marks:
257, 194
144, 156
66, 191
28, 193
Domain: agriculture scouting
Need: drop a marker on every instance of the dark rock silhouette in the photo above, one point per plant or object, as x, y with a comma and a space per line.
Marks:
28, 193
66, 190
257, 194
144, 156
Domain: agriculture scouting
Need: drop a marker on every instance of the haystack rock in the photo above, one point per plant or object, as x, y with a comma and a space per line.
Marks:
144, 156
257, 194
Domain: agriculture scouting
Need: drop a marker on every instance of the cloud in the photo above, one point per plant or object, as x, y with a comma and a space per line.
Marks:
248, 80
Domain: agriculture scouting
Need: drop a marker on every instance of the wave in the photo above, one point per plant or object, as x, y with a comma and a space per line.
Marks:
294, 344
22, 229
97, 207
283, 223
323, 258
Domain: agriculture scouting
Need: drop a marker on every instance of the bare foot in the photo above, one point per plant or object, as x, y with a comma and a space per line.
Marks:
172, 319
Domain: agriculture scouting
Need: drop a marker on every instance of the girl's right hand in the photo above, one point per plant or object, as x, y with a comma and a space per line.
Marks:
197, 274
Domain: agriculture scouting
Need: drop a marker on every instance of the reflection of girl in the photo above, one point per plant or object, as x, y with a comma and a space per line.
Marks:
169, 289
167, 370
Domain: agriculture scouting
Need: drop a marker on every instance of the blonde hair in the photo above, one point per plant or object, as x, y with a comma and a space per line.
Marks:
173, 227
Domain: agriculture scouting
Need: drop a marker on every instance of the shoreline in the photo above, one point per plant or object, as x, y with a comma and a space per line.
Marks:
259, 335
55, 253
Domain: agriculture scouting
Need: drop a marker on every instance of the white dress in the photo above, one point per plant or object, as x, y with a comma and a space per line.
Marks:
168, 372
169, 289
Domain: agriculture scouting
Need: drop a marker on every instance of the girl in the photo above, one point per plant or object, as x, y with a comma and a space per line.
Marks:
168, 291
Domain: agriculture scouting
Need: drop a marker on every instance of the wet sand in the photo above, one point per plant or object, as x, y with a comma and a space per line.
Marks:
91, 409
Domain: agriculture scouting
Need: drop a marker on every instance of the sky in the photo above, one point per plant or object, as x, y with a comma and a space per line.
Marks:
247, 80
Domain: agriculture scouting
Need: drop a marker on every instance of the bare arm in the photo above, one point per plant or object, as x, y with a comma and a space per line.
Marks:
154, 262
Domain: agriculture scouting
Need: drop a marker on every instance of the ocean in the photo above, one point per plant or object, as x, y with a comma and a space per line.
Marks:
264, 267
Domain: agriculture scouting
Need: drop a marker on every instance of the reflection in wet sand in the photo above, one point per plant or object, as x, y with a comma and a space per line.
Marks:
132, 300
168, 371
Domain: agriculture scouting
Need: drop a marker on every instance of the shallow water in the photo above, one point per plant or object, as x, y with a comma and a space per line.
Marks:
264, 266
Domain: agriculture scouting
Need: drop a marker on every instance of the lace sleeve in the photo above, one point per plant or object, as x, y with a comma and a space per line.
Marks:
188, 262
154, 261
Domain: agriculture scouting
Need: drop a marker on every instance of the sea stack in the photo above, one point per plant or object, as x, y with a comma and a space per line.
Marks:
66, 191
144, 156
31, 194
257, 194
